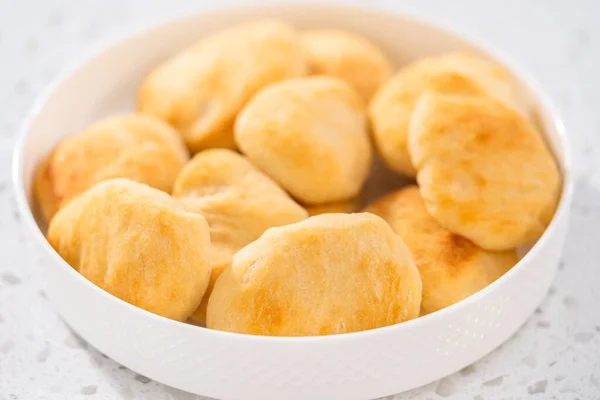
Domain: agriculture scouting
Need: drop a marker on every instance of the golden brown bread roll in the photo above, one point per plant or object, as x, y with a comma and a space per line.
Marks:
138, 244
135, 146
309, 135
201, 90
452, 268
238, 201
392, 106
483, 171
329, 274
348, 56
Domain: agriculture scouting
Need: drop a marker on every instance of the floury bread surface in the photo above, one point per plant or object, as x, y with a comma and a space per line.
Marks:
463, 73
238, 201
484, 172
138, 244
329, 274
309, 135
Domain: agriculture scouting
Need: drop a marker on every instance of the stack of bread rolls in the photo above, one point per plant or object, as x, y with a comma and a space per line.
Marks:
235, 196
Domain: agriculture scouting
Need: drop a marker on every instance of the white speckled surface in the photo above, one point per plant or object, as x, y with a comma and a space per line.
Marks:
555, 356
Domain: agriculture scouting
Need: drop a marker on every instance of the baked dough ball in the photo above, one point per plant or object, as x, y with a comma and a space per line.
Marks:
460, 73
484, 172
309, 135
238, 201
135, 146
333, 273
201, 90
344, 207
452, 268
347, 56
138, 244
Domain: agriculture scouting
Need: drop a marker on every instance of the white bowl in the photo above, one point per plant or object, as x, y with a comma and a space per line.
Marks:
223, 365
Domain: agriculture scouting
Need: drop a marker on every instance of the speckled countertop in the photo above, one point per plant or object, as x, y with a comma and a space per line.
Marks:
555, 356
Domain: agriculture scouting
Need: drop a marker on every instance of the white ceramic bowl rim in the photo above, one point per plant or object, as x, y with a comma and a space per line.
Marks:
567, 189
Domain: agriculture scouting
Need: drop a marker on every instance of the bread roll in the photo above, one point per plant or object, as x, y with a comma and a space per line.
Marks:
310, 136
135, 146
483, 170
138, 244
329, 274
